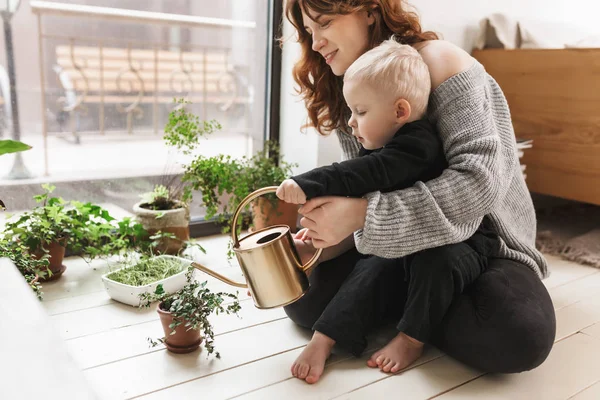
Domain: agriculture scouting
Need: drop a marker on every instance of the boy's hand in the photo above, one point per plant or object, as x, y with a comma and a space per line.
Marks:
290, 192
302, 234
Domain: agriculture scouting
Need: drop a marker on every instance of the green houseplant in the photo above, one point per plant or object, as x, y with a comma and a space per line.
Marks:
87, 229
32, 268
184, 314
223, 175
162, 210
44, 230
143, 274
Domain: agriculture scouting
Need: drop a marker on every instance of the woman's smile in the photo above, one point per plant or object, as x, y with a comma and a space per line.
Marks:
329, 57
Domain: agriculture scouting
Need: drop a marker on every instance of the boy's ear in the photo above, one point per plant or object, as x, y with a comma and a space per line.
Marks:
403, 110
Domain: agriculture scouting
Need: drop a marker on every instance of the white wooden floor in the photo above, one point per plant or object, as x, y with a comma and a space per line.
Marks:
108, 341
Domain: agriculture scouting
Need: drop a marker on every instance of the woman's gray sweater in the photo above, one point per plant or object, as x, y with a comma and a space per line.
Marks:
483, 179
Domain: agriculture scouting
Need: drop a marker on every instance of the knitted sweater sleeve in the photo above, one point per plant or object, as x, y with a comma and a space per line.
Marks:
450, 208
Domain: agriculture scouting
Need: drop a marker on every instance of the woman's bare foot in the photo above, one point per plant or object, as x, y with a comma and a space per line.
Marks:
398, 354
311, 362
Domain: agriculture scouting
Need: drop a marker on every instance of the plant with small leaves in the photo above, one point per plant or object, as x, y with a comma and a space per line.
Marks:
162, 198
184, 129
30, 267
191, 306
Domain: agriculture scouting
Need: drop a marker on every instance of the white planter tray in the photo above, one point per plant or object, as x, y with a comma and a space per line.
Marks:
128, 294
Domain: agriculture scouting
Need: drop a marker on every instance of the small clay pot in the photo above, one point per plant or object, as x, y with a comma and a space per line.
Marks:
56, 252
174, 221
264, 215
183, 341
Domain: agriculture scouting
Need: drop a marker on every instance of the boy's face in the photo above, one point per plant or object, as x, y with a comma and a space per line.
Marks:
373, 121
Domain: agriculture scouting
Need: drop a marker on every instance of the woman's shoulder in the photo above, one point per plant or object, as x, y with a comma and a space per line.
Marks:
444, 60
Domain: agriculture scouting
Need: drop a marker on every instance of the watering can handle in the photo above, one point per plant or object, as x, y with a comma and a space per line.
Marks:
244, 203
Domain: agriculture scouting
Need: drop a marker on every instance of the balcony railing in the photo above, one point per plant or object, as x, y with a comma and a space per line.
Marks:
130, 77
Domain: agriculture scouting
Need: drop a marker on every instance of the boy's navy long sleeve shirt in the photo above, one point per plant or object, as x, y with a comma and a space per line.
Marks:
414, 154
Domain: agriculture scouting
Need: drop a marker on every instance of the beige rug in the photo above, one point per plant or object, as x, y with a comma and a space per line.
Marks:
571, 231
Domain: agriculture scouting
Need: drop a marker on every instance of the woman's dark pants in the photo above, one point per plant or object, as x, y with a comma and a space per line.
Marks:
491, 314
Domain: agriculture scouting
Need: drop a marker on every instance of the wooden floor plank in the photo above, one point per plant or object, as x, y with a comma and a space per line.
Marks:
117, 344
593, 330
563, 271
115, 315
339, 378
573, 291
77, 303
157, 370
234, 382
109, 339
423, 382
576, 317
591, 393
572, 366
277, 371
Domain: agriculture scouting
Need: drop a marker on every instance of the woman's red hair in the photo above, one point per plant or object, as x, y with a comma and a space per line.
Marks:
320, 88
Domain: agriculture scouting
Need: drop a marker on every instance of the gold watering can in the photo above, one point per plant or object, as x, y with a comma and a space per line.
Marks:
269, 261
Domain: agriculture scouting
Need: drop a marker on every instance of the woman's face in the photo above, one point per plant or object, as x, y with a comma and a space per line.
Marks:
340, 39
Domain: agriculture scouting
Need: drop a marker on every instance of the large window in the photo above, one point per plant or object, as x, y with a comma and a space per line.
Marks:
95, 86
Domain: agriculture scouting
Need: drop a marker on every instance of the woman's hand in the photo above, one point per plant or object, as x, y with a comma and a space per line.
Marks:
332, 219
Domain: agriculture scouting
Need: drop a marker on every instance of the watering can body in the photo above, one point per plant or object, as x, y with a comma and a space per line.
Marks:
269, 261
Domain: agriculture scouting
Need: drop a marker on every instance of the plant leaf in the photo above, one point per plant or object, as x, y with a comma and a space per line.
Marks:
11, 146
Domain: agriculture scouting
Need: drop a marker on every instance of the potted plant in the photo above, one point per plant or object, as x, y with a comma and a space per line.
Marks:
163, 210
44, 231
86, 229
143, 275
31, 268
184, 314
223, 175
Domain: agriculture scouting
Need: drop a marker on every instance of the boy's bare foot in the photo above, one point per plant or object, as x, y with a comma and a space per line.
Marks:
398, 354
311, 362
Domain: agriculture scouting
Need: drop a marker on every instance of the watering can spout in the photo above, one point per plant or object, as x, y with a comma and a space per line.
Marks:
219, 276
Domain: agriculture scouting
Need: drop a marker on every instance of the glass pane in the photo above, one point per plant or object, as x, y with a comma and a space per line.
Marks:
95, 106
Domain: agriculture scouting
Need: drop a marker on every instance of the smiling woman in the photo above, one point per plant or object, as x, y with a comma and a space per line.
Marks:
458, 267
332, 34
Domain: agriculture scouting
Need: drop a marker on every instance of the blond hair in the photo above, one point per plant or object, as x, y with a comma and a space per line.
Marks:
395, 67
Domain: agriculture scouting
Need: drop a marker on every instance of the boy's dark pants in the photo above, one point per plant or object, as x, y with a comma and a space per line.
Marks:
492, 314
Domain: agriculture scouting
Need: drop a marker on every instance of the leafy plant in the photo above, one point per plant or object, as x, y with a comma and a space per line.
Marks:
45, 224
147, 270
161, 198
221, 174
184, 129
191, 306
12, 146
86, 229
30, 267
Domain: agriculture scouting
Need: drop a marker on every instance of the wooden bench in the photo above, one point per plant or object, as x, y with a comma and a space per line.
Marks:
128, 77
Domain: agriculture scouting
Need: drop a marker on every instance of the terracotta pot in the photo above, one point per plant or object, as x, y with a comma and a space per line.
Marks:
183, 341
264, 215
56, 252
175, 221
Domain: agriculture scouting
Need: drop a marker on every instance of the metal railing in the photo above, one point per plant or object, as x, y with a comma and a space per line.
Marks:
132, 75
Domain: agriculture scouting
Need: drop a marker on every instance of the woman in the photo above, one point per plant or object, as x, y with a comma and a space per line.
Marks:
503, 321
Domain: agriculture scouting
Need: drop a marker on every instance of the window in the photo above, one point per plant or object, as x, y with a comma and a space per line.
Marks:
96, 86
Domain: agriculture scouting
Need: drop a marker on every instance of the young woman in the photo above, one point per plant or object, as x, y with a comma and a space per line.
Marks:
496, 316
